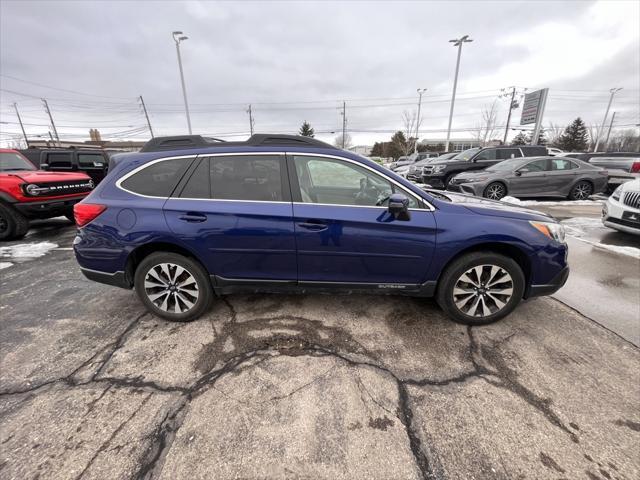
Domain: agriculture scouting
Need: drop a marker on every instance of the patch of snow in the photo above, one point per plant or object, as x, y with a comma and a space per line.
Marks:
630, 251
525, 203
578, 227
26, 251
4, 265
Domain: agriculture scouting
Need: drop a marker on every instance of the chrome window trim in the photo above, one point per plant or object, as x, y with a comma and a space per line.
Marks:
118, 183
418, 199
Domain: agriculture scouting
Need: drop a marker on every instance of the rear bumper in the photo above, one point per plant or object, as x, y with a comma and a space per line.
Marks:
48, 208
547, 289
116, 279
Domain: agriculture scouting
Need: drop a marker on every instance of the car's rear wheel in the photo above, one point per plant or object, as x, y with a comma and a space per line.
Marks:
173, 286
495, 191
480, 288
13, 225
581, 191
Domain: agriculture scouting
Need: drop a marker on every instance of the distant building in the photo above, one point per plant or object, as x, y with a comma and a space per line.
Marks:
361, 150
455, 145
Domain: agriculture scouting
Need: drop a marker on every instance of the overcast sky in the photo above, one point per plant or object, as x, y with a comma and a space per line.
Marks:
296, 61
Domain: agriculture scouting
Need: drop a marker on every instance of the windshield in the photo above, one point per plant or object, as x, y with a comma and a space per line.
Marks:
467, 154
506, 165
10, 161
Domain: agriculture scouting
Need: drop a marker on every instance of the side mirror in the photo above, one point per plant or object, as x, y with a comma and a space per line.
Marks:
44, 166
399, 206
517, 173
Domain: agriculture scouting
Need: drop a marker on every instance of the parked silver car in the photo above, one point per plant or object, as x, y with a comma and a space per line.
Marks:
533, 177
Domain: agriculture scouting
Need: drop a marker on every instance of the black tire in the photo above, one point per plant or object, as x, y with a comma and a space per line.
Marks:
204, 291
13, 225
447, 179
454, 274
581, 191
495, 191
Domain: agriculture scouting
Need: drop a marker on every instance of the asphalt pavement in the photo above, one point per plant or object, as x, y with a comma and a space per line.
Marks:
303, 386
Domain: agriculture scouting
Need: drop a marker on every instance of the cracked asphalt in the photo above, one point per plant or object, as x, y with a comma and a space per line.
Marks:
303, 386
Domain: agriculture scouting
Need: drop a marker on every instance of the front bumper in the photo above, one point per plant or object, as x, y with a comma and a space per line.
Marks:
436, 181
547, 289
48, 208
469, 188
621, 217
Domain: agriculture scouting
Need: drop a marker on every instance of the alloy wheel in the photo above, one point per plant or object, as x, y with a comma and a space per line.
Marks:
582, 191
171, 288
495, 191
483, 290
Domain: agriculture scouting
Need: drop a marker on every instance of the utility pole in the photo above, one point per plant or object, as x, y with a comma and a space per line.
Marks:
178, 37
420, 92
606, 142
144, 108
344, 123
250, 119
604, 120
511, 107
15, 105
456, 43
55, 131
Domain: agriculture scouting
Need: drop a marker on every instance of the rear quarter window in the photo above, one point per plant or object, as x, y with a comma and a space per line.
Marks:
158, 179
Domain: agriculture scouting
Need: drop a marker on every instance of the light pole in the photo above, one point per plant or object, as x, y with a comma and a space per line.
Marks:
420, 92
178, 37
606, 114
456, 43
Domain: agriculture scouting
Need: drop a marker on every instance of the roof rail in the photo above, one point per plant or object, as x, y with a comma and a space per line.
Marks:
180, 142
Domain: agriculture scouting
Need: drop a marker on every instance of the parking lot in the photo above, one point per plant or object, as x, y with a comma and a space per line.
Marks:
315, 386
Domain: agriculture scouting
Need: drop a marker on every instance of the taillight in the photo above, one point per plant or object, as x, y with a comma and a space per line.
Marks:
87, 212
635, 167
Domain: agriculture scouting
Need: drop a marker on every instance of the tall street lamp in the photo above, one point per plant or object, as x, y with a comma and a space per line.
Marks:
178, 37
613, 91
456, 43
420, 92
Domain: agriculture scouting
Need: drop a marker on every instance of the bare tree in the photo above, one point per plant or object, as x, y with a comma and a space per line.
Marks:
624, 140
409, 119
348, 142
593, 136
554, 132
486, 130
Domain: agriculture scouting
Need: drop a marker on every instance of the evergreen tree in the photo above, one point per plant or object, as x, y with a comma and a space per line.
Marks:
398, 145
306, 130
575, 137
377, 150
519, 139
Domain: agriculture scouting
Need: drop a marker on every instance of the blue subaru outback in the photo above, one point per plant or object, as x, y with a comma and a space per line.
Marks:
191, 217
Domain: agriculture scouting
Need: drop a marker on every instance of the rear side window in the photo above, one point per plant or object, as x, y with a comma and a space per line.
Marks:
250, 177
59, 160
158, 179
562, 164
90, 160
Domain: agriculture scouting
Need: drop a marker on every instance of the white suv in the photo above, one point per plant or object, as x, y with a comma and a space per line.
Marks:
622, 210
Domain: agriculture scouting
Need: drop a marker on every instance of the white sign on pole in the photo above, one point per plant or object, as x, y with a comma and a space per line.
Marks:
531, 106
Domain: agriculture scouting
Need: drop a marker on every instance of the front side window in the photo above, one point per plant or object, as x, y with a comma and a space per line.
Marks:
506, 153
59, 160
535, 166
335, 182
489, 154
158, 179
247, 177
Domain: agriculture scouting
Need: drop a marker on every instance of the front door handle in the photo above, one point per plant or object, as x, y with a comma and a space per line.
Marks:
193, 217
314, 225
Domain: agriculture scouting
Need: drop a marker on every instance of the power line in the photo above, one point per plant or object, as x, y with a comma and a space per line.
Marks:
60, 89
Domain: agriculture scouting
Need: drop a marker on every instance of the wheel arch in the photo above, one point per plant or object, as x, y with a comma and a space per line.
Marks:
506, 249
138, 254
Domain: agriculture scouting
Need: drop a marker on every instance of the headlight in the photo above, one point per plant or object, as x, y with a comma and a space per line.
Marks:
34, 190
553, 230
438, 168
616, 193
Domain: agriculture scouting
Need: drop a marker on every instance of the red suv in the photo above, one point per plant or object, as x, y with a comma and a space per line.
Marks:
28, 193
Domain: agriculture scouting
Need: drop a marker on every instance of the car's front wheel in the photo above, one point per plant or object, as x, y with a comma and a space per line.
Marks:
581, 191
13, 225
495, 191
173, 286
480, 288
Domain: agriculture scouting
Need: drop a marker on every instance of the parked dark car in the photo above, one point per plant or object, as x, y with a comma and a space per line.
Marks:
438, 173
415, 171
93, 162
411, 159
533, 177
287, 213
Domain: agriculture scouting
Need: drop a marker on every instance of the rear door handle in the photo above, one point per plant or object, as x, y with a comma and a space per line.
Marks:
314, 225
193, 217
